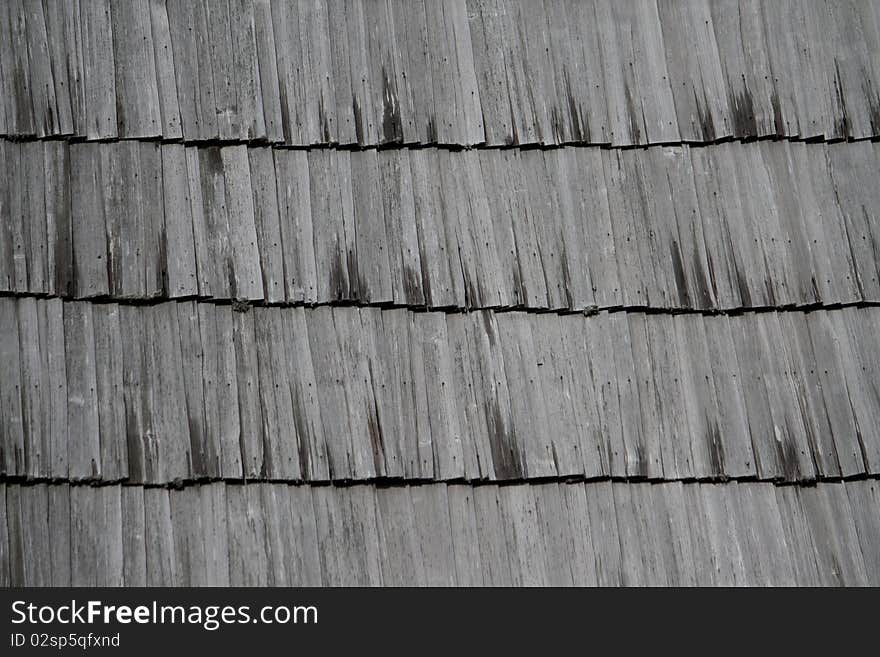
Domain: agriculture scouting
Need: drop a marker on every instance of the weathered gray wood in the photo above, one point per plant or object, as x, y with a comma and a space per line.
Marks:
335, 255
545, 214
153, 217
415, 86
167, 456
660, 560
360, 521
279, 540
59, 535
781, 174
625, 113
204, 448
441, 281
435, 534
190, 38
496, 183
291, 79
33, 220
698, 401
674, 424
7, 562
789, 430
88, 223
372, 244
305, 397
388, 362
138, 111
490, 73
739, 34
215, 528
605, 384
400, 550
604, 532
365, 440
268, 228
122, 184
305, 559
497, 564
283, 460
633, 549
110, 391
430, 334
525, 544
211, 224
534, 284
250, 410
56, 181
555, 384
398, 208
134, 546
528, 410
644, 379
838, 553
190, 562
218, 57
161, 566
652, 76
98, 71
675, 522
799, 351
135, 390
221, 385
33, 509
730, 282
31, 352
632, 270
8, 156
247, 282
248, 548
581, 560
166, 80
250, 122
421, 453
793, 451
588, 440
448, 109
267, 66
861, 388
14, 535
723, 541
458, 22
798, 537
739, 458
295, 218
96, 557
326, 359
637, 454
864, 498
501, 457
182, 273
469, 570
84, 448
576, 253
22, 114
43, 91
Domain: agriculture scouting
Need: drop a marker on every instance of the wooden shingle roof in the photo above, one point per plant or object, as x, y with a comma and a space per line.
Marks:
463, 292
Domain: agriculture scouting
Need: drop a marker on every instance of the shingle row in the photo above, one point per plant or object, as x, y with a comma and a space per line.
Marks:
373, 72
586, 534
734, 225
187, 390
